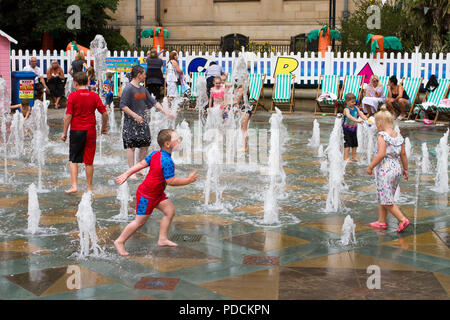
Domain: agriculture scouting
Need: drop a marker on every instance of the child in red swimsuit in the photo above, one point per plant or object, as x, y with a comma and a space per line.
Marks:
150, 194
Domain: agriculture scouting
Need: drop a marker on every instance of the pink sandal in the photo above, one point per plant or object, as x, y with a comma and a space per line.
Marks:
402, 225
380, 225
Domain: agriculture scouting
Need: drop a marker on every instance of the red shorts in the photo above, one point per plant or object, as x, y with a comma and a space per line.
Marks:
145, 205
82, 144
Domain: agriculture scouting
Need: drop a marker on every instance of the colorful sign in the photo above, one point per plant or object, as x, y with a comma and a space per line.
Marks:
121, 64
26, 89
285, 65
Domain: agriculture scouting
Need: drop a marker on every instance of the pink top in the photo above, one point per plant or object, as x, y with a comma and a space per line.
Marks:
217, 94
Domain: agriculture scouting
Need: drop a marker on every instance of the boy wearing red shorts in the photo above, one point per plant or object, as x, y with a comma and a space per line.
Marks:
150, 194
80, 115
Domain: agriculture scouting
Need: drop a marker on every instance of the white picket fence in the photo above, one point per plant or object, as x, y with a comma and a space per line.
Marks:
310, 66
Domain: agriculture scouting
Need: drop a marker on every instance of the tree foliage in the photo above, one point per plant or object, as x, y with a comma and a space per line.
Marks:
405, 20
27, 20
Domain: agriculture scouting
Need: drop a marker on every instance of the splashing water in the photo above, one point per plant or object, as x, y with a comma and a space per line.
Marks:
34, 213
315, 139
38, 142
416, 203
276, 171
214, 154
99, 50
86, 224
320, 153
186, 144
441, 179
408, 148
336, 167
112, 119
123, 195
348, 231
5, 151
425, 165
16, 137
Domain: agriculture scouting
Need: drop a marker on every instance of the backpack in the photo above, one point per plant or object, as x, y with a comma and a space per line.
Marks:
432, 84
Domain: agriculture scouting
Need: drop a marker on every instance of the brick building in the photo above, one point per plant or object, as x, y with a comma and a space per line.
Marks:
206, 21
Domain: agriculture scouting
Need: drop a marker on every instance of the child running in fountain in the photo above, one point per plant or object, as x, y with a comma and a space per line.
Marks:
390, 150
351, 112
150, 194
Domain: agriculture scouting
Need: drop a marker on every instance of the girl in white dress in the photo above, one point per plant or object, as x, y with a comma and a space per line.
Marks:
390, 159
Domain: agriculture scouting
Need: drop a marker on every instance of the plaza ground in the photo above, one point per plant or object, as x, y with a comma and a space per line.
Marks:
227, 253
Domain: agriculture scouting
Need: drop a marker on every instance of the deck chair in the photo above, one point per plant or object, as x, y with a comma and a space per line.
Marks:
327, 83
352, 84
433, 99
194, 77
384, 80
441, 108
283, 92
412, 86
255, 88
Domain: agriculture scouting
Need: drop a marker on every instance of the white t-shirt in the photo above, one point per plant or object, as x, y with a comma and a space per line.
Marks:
213, 71
36, 70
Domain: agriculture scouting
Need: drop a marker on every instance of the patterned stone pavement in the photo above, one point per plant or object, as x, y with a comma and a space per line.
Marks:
226, 252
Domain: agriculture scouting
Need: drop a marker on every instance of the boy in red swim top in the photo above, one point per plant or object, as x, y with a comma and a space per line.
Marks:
150, 194
80, 115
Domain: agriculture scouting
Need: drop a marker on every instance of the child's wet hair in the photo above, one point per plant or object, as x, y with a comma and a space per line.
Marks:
217, 78
80, 78
25, 103
384, 116
165, 135
349, 97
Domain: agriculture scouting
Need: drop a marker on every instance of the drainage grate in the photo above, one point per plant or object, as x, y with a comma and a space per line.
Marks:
186, 237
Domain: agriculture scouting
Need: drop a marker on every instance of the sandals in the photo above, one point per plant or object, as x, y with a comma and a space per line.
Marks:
402, 225
379, 225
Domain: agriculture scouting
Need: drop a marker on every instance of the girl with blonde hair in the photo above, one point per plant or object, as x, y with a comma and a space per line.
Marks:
390, 159
373, 96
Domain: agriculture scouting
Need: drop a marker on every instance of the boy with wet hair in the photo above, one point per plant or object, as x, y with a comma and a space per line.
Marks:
80, 115
150, 194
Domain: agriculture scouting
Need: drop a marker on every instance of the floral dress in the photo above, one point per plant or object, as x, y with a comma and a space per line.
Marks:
389, 170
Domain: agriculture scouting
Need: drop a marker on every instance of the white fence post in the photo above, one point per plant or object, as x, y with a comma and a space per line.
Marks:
309, 68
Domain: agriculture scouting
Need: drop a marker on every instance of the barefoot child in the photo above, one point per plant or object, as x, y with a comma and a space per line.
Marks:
349, 126
80, 115
150, 194
391, 149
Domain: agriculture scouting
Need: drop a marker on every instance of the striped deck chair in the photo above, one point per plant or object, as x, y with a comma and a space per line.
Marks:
283, 91
441, 108
255, 88
434, 98
384, 80
352, 84
194, 77
412, 86
329, 83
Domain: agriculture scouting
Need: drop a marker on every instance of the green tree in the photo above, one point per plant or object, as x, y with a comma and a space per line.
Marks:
394, 22
27, 20
432, 19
